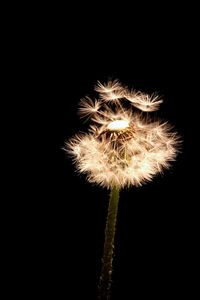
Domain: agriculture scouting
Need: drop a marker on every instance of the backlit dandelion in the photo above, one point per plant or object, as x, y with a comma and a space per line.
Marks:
123, 148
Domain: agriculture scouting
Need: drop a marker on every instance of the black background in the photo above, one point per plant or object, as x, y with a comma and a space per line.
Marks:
156, 242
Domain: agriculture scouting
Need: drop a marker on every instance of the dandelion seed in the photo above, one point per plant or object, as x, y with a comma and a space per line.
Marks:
111, 86
143, 101
88, 107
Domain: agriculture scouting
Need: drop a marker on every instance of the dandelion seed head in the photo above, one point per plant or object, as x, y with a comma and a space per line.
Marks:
123, 147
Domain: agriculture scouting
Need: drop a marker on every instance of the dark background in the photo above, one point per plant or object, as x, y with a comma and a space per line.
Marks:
156, 241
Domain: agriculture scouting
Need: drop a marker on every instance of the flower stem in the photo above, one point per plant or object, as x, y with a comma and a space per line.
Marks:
106, 271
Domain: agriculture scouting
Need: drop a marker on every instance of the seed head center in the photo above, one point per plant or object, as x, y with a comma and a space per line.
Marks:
118, 125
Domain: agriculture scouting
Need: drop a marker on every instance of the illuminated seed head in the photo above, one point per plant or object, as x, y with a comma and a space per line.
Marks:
123, 147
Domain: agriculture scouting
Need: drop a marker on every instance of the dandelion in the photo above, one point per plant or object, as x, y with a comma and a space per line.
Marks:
123, 148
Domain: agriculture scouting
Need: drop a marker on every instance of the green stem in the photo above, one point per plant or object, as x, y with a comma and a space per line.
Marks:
106, 271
